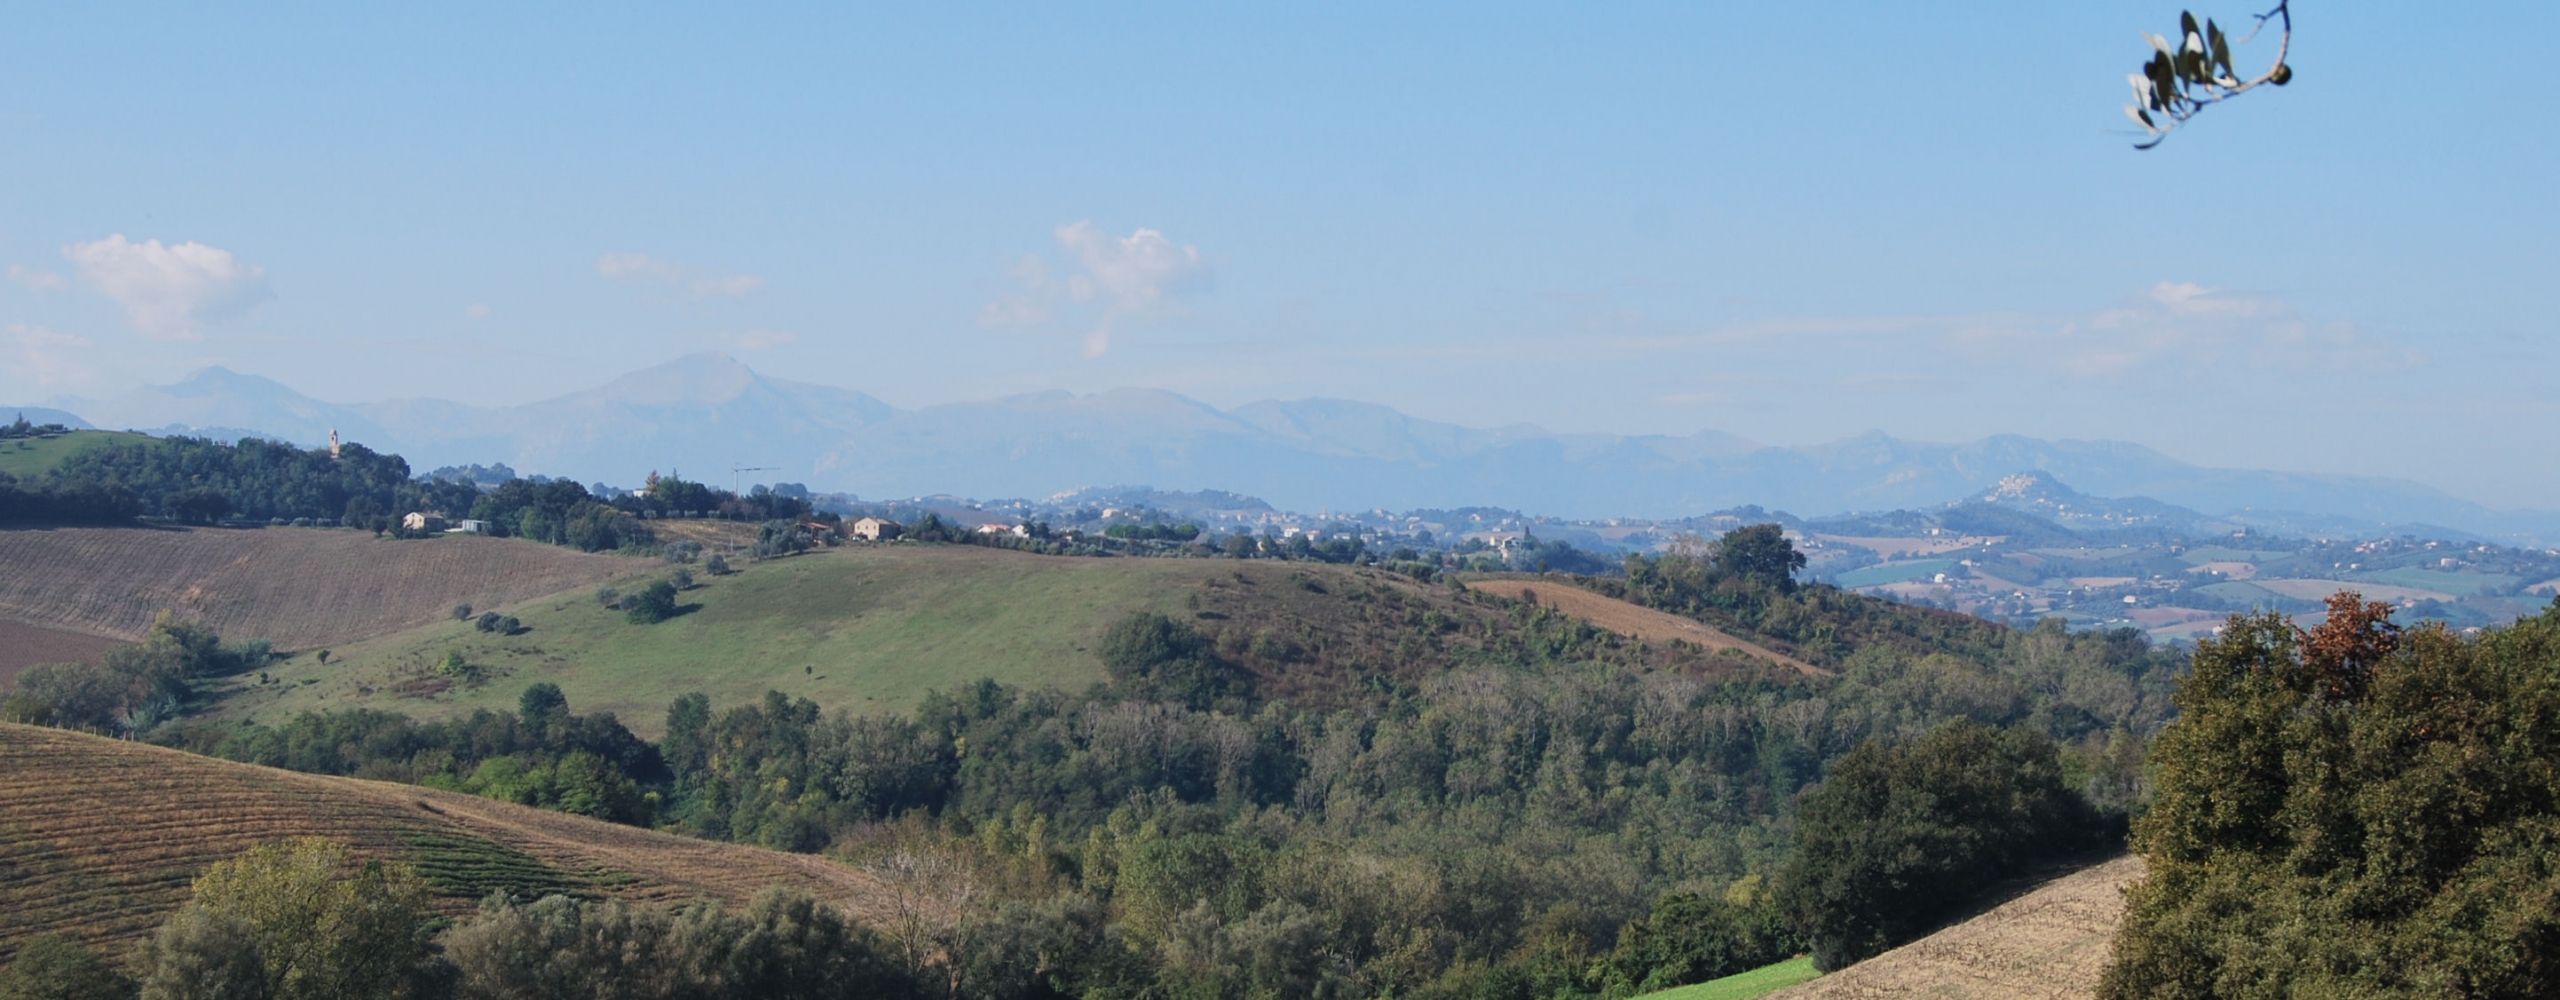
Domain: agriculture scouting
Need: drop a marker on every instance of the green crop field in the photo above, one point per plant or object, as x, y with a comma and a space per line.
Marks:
1744, 985
862, 628
1918, 569
2457, 584
27, 458
2203, 554
2237, 591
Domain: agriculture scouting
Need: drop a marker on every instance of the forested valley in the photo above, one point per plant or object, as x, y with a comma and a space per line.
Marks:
1545, 822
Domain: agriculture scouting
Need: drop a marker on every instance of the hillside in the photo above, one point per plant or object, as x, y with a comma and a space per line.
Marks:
1633, 621
2048, 943
875, 627
30, 457
295, 587
99, 839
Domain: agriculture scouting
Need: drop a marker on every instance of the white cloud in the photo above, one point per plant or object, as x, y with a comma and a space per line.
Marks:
477, 310
697, 282
169, 292
46, 357
35, 280
756, 340
1124, 278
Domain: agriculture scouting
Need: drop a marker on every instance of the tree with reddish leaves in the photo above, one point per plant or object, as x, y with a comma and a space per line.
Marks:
2340, 653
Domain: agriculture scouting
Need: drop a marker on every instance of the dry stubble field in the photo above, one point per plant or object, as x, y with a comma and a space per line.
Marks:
295, 587
100, 838
1632, 620
2050, 943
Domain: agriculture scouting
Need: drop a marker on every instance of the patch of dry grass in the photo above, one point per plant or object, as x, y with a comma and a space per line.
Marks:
100, 838
1632, 620
2051, 942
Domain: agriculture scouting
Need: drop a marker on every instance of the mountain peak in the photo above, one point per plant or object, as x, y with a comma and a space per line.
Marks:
2031, 485
707, 377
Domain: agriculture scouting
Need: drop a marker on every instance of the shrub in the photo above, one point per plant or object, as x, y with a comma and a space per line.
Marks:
53, 967
654, 605
289, 914
682, 578
716, 565
784, 945
461, 612
1154, 657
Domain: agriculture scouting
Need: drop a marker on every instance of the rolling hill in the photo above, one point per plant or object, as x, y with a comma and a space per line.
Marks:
100, 838
27, 458
871, 628
294, 587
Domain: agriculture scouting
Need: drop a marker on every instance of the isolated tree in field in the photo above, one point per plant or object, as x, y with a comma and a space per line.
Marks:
654, 605
1760, 551
288, 921
2194, 72
53, 967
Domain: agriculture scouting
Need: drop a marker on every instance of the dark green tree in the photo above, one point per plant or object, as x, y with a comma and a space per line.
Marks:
1899, 836
1762, 552
653, 605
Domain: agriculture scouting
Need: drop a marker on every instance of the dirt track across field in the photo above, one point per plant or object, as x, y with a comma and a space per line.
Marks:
1629, 619
2048, 944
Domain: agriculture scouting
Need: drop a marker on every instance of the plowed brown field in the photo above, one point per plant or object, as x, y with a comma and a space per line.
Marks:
294, 587
23, 646
1632, 620
100, 838
2049, 943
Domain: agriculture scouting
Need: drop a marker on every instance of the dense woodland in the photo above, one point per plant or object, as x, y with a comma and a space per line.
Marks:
2354, 810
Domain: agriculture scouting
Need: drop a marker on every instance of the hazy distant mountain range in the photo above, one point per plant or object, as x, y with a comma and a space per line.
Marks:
706, 414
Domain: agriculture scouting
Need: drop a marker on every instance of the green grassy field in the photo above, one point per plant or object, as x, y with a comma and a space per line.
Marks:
1918, 569
860, 628
2457, 584
26, 458
2203, 554
1744, 985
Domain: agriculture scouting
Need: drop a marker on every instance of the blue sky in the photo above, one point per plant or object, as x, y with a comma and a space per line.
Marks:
1786, 222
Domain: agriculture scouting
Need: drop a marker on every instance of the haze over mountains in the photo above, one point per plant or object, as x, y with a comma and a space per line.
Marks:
707, 413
